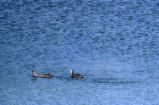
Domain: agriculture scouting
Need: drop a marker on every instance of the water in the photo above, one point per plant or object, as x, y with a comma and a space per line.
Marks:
114, 44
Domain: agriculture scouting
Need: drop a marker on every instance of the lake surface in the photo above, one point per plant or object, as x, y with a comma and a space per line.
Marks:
114, 44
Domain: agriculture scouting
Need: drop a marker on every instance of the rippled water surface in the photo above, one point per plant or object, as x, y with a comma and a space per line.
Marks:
114, 44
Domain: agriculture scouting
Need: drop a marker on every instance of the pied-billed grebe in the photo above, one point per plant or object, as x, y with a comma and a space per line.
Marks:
75, 75
41, 75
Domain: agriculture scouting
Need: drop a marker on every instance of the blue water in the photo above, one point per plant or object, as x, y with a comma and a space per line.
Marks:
113, 43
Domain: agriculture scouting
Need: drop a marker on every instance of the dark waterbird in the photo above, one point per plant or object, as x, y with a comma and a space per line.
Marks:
75, 75
41, 75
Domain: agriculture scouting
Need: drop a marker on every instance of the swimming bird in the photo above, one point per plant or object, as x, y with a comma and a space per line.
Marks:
41, 75
75, 75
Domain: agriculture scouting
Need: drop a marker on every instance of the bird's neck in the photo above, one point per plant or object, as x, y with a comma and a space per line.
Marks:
71, 73
36, 74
